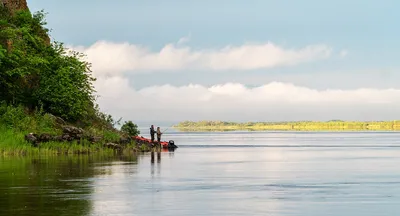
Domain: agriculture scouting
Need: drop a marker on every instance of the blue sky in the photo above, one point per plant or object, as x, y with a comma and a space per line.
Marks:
367, 29
361, 25
365, 32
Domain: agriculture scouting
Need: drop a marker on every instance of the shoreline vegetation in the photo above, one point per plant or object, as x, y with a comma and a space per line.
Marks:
24, 133
47, 99
333, 125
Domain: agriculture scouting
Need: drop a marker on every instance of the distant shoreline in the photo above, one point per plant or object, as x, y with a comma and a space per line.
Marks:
336, 125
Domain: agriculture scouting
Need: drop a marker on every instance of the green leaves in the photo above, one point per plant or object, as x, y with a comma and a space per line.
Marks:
2, 53
130, 128
64, 88
33, 73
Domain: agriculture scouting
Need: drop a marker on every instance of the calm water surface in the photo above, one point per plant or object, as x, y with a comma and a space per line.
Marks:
226, 173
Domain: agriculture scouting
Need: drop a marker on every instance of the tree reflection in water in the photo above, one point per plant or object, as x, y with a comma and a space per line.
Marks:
53, 185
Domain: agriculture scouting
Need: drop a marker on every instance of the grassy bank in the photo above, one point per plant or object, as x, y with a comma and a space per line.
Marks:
16, 122
13, 143
336, 125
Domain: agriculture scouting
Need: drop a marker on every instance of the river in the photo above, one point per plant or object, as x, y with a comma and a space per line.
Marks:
216, 173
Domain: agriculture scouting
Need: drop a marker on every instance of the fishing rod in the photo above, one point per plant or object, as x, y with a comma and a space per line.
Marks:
167, 128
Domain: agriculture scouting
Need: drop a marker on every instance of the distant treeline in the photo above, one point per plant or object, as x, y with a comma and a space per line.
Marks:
294, 125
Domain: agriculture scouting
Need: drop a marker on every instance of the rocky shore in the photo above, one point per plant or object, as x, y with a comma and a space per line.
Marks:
71, 134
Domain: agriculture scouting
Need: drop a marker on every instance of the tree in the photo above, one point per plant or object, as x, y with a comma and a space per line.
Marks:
130, 128
35, 73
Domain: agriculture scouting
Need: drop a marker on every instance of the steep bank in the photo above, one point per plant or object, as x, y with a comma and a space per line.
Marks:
47, 92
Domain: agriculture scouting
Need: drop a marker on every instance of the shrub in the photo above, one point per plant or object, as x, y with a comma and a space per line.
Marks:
130, 128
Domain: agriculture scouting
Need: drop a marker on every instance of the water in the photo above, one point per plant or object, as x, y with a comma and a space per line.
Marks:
222, 173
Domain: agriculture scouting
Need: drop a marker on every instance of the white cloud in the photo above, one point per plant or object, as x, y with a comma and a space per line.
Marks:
343, 53
184, 40
114, 58
274, 101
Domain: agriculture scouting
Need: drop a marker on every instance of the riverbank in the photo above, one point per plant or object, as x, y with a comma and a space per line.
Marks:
15, 143
24, 133
289, 126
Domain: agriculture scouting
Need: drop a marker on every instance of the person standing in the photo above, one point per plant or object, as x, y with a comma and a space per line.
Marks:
159, 136
152, 132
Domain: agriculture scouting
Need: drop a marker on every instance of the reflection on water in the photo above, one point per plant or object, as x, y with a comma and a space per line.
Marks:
315, 175
158, 157
58, 185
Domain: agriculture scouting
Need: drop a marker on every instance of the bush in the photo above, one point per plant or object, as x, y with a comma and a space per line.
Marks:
18, 119
11, 117
130, 128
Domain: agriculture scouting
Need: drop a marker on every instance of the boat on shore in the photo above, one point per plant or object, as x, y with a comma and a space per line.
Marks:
165, 145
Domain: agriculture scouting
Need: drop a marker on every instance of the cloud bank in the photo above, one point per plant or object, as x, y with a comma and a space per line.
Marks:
273, 101
116, 58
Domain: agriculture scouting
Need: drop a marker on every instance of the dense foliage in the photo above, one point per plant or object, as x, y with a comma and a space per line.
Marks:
15, 118
44, 87
38, 74
130, 128
296, 125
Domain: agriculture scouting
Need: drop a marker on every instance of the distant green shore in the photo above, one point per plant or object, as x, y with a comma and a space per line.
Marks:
335, 125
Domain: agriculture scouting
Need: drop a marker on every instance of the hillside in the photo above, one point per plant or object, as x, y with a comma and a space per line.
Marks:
46, 90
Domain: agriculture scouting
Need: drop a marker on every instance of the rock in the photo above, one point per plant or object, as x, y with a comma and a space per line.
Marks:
58, 139
94, 139
14, 5
70, 134
78, 136
31, 138
113, 146
58, 120
125, 140
67, 137
73, 131
45, 137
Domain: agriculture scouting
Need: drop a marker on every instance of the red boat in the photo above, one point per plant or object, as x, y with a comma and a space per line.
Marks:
164, 144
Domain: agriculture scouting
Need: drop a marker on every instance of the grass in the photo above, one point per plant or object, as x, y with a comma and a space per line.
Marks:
13, 143
15, 123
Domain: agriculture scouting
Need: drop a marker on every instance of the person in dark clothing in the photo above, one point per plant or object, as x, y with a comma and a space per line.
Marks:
152, 132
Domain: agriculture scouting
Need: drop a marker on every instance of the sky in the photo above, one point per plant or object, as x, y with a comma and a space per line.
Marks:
258, 60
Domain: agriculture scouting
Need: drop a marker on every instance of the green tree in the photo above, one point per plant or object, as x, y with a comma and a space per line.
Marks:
130, 128
36, 73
